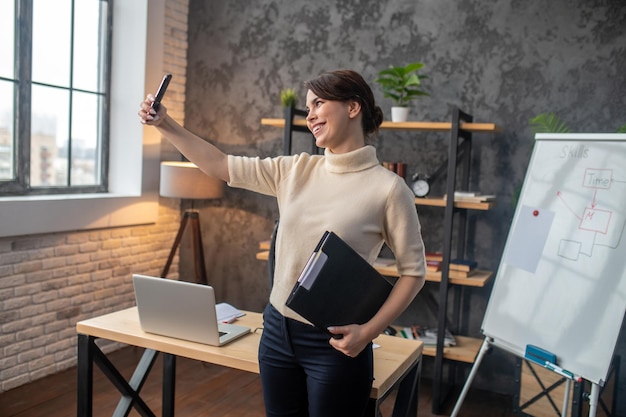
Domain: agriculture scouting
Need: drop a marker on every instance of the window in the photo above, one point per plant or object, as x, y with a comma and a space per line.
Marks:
54, 83
134, 151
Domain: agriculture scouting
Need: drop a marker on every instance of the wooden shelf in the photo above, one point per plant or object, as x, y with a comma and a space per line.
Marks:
478, 279
440, 202
420, 126
466, 349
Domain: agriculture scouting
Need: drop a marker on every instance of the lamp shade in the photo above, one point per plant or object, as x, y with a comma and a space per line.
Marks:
185, 180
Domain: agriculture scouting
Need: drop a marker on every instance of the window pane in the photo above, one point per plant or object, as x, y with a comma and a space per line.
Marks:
89, 41
85, 139
7, 38
52, 41
65, 102
49, 137
7, 150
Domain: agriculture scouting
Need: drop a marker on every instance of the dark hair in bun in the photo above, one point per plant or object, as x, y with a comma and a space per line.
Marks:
345, 85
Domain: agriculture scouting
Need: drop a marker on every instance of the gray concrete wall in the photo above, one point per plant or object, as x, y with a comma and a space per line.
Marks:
502, 61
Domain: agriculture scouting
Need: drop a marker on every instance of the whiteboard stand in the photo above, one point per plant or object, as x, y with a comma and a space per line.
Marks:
568, 385
563, 265
484, 349
593, 399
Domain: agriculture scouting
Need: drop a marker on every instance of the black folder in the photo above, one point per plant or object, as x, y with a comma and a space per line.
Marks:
337, 286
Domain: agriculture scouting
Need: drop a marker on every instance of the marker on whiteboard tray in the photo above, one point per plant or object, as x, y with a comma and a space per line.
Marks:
559, 370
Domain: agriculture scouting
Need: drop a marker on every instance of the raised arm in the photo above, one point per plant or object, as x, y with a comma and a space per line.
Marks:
206, 156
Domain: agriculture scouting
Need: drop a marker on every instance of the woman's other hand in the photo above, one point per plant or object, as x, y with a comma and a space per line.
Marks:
354, 339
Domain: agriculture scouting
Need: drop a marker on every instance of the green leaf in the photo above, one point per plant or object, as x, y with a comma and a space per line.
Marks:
622, 129
548, 123
415, 94
412, 80
388, 71
394, 97
413, 67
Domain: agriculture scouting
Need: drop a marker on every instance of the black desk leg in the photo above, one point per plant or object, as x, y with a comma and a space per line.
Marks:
136, 382
169, 384
85, 376
88, 354
408, 393
405, 404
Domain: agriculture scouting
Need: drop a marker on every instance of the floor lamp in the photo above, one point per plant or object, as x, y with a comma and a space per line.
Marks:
184, 180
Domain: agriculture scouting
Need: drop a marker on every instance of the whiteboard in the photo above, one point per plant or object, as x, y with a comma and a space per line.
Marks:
561, 283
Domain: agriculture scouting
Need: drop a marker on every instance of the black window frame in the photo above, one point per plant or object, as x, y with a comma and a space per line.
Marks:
20, 185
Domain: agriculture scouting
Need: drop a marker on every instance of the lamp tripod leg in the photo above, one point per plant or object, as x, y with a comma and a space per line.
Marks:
196, 245
179, 235
198, 252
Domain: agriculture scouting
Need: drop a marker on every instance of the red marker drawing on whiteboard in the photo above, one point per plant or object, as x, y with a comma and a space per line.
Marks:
560, 195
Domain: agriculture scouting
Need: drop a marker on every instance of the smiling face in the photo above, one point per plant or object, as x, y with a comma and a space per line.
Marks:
335, 124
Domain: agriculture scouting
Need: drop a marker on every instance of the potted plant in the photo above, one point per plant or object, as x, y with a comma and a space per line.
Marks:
402, 85
288, 98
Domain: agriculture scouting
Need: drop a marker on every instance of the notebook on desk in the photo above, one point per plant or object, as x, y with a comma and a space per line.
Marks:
182, 310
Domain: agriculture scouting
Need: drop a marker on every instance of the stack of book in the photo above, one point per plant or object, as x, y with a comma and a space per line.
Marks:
462, 268
397, 167
472, 196
427, 335
433, 261
459, 268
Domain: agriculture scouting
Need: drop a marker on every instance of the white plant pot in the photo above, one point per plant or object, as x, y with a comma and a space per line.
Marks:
399, 114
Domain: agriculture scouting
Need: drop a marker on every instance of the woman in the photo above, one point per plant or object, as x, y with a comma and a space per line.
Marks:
305, 372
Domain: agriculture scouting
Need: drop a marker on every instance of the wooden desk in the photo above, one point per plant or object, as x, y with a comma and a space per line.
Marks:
397, 363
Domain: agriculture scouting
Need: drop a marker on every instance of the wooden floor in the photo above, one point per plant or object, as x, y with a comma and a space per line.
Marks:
201, 390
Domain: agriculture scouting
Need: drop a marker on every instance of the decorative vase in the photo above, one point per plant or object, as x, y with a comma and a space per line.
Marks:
399, 114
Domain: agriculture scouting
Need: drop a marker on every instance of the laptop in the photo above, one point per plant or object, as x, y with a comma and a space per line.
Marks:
182, 310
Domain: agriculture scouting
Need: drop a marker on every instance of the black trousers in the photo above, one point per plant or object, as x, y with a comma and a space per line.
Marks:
302, 375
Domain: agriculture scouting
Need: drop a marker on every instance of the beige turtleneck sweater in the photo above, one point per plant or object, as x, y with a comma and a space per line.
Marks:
350, 194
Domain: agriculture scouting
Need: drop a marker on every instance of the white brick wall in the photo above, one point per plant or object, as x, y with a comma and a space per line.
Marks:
49, 282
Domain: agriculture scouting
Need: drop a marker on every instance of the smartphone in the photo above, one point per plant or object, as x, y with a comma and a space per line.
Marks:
161, 91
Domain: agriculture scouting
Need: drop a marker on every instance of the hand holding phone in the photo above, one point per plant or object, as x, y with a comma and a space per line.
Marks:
161, 91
